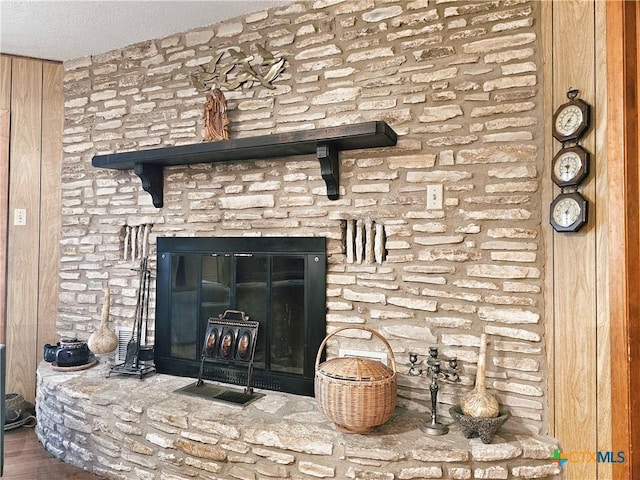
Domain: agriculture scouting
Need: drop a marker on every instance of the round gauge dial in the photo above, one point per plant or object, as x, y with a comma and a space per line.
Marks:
570, 166
571, 120
568, 120
568, 212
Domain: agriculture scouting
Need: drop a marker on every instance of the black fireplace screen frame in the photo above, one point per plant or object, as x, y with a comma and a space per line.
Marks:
310, 250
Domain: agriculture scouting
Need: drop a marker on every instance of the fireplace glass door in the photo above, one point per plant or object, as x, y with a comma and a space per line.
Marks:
282, 288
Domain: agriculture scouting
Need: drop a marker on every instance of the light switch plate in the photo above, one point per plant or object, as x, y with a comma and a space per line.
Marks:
434, 196
20, 216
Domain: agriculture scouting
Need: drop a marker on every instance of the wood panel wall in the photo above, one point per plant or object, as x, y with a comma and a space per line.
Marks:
5, 103
31, 91
578, 319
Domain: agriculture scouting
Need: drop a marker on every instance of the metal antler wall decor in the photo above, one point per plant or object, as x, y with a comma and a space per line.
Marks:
262, 69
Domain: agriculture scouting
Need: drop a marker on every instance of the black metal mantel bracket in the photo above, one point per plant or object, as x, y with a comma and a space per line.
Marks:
326, 143
152, 178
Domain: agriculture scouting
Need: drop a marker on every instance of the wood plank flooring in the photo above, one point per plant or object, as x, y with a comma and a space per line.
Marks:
26, 459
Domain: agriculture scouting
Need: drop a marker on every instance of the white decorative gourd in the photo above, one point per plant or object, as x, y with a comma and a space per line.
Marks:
104, 340
478, 402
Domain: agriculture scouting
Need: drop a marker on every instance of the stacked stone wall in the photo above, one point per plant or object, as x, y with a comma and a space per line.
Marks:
460, 82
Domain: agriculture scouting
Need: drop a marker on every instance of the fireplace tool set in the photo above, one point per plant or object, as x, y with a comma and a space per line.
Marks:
438, 372
137, 354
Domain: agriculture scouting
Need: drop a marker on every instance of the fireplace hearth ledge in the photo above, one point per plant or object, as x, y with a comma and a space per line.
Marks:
123, 427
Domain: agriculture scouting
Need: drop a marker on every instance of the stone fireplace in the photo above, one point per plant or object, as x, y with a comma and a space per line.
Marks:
465, 104
458, 82
278, 282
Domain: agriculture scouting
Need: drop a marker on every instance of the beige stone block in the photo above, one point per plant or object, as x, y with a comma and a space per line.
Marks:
523, 136
511, 300
505, 108
201, 450
274, 456
424, 279
128, 429
77, 63
202, 465
272, 471
522, 364
510, 82
241, 202
516, 333
371, 188
452, 140
435, 76
440, 455
336, 95
363, 296
499, 43
539, 471
110, 125
319, 52
370, 54
439, 240
316, 470
519, 257
433, 53
265, 186
522, 389
508, 315
380, 14
536, 448
422, 334
441, 113
450, 254
241, 473
459, 473
408, 473
497, 214
495, 472
137, 447
297, 438
438, 176
160, 440
466, 296
449, 322
361, 474
498, 271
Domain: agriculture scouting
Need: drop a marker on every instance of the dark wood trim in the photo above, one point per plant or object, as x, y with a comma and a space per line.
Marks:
4, 217
624, 230
326, 143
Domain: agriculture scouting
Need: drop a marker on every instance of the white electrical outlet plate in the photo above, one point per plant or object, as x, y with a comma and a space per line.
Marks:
434, 196
379, 356
20, 216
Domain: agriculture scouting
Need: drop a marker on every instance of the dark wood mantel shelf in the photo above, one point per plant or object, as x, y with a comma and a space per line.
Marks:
326, 143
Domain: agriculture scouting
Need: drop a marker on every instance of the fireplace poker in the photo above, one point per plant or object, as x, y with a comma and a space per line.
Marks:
133, 347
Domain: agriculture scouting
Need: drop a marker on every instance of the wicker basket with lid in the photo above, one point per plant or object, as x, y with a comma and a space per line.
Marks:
355, 393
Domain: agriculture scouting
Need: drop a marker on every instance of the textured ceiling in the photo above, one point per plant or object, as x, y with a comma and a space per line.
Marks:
67, 29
